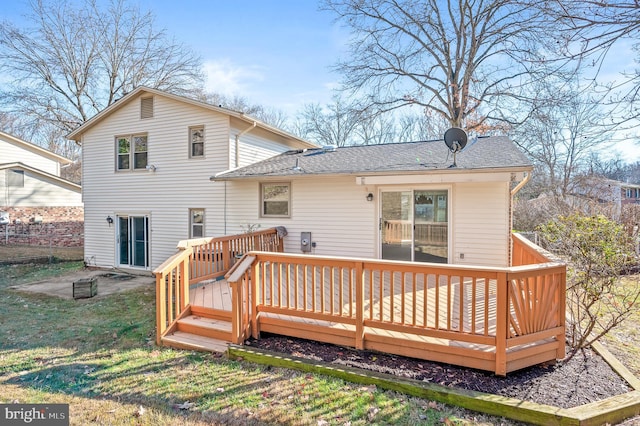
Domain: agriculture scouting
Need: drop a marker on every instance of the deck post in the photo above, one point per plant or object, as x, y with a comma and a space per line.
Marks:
184, 284
561, 295
502, 321
161, 313
255, 296
226, 255
236, 311
359, 306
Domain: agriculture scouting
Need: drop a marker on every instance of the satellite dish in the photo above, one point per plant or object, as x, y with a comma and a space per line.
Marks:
456, 140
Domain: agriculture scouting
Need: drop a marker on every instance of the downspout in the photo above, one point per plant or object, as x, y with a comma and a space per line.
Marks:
248, 129
225, 208
514, 191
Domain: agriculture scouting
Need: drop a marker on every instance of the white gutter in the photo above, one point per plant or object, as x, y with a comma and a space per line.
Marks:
248, 129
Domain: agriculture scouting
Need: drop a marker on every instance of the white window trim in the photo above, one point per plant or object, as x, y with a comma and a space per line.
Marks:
191, 223
131, 153
261, 196
191, 128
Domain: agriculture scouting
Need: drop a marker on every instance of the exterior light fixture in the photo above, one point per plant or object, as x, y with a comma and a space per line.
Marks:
109, 220
370, 196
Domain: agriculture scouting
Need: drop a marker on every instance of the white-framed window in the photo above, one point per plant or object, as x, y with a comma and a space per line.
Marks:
275, 199
15, 178
196, 223
131, 152
196, 141
146, 107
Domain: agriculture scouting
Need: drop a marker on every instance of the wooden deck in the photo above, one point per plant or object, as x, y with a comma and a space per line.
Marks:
496, 319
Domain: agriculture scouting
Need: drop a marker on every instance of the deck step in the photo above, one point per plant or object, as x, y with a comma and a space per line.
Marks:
182, 340
207, 327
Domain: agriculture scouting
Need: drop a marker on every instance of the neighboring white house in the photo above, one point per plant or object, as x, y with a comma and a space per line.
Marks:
35, 202
400, 201
602, 193
147, 160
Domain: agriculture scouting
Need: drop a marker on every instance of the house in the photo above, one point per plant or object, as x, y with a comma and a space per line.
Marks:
314, 229
146, 165
37, 206
399, 201
596, 192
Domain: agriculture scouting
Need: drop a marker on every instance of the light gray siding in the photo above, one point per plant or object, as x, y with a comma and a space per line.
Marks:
10, 153
344, 223
166, 194
37, 191
334, 209
481, 231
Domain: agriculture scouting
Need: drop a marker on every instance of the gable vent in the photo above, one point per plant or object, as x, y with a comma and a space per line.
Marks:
146, 107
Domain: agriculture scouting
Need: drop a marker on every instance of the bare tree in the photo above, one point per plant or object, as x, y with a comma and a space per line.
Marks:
420, 126
453, 58
560, 135
375, 129
76, 59
334, 124
272, 116
589, 30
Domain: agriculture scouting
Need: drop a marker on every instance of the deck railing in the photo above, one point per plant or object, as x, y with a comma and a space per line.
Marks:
496, 319
198, 260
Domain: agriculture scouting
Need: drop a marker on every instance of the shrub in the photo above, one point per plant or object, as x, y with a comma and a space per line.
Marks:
598, 252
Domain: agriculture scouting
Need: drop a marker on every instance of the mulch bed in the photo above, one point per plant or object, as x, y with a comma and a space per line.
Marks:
583, 379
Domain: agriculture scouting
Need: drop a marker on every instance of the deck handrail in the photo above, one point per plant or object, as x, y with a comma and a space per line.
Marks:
525, 252
198, 260
359, 292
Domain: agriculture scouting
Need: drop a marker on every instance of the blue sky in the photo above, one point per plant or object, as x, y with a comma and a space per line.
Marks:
276, 53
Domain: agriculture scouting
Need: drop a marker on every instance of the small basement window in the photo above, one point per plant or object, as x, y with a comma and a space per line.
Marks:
275, 199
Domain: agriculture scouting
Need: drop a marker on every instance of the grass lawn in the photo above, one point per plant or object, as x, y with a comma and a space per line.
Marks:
623, 340
99, 356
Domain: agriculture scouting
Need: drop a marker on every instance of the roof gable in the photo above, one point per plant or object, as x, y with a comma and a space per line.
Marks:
34, 148
44, 175
77, 133
491, 153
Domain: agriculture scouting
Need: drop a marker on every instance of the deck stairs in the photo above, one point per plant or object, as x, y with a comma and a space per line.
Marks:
201, 329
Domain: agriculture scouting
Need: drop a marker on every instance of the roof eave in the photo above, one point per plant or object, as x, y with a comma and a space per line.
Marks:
457, 170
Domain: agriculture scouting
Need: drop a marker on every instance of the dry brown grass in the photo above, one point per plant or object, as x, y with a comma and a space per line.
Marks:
23, 253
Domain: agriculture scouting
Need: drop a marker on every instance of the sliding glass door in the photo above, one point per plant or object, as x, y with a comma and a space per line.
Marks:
133, 241
414, 225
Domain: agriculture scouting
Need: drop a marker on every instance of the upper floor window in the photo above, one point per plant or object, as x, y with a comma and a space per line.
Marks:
132, 152
275, 199
196, 223
146, 107
196, 141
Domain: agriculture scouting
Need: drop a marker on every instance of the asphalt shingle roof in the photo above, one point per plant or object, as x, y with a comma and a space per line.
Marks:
496, 152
